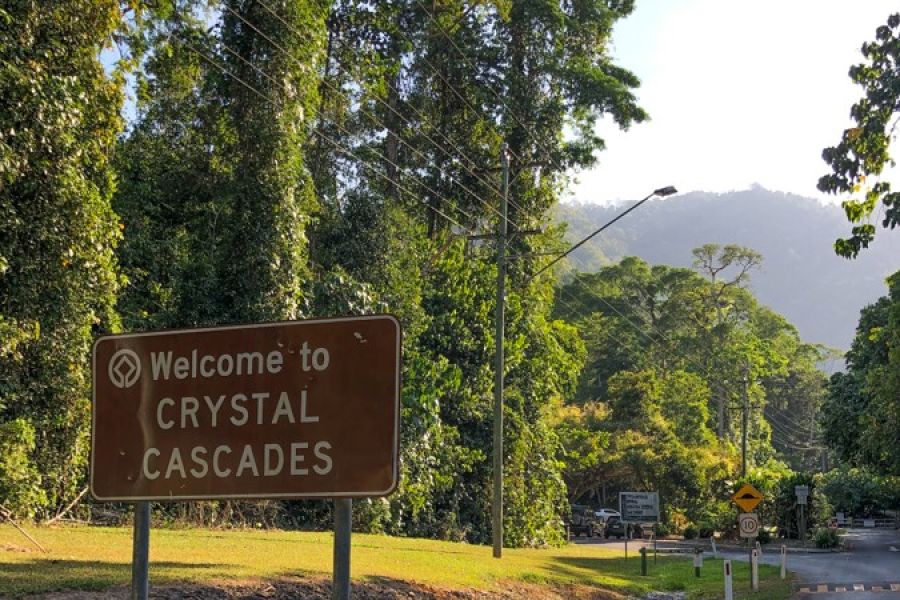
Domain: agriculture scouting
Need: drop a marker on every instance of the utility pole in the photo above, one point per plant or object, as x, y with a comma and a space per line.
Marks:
500, 324
745, 409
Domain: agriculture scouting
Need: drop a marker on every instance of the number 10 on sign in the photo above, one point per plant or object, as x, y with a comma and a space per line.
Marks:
748, 524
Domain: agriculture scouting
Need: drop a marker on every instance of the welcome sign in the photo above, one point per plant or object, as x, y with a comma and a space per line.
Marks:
276, 410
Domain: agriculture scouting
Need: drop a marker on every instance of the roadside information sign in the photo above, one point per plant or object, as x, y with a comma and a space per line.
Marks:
748, 523
276, 410
802, 493
639, 507
747, 497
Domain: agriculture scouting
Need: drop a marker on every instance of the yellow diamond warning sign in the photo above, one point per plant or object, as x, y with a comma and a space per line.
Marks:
747, 498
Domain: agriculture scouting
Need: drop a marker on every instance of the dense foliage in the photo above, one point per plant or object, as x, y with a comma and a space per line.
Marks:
674, 361
300, 158
861, 417
859, 491
864, 150
59, 116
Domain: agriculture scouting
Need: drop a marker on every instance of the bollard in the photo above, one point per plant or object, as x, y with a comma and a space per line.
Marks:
729, 589
712, 542
698, 561
783, 561
759, 548
643, 561
754, 570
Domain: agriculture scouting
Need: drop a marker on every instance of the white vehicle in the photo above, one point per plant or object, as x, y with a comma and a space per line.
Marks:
602, 514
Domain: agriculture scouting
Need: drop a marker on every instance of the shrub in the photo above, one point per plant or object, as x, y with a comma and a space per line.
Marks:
662, 530
827, 538
690, 532
764, 536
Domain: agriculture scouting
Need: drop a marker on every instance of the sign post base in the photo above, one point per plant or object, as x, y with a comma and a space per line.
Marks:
140, 567
343, 513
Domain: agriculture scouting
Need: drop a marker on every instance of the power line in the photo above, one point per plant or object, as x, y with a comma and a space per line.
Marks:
366, 112
458, 94
394, 110
787, 418
328, 139
462, 54
387, 105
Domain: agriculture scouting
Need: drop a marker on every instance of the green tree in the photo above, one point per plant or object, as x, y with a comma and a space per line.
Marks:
59, 117
859, 159
860, 416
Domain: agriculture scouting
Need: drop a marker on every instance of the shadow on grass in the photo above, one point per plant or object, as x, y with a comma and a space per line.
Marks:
667, 573
41, 575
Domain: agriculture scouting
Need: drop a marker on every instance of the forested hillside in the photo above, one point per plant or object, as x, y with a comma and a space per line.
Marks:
801, 277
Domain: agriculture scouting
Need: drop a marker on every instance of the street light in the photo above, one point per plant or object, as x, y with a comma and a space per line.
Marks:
661, 192
499, 322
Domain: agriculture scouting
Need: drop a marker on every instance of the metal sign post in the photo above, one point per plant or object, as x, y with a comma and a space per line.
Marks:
140, 552
343, 514
297, 409
754, 570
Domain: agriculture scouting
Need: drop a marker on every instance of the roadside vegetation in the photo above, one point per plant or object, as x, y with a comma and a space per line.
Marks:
97, 558
291, 160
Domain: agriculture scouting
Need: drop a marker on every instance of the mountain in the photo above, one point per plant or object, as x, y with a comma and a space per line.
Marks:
801, 277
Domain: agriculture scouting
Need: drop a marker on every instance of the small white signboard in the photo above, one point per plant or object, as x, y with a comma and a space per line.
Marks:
748, 523
802, 492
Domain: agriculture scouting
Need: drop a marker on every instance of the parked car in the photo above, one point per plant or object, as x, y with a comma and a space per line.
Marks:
615, 527
582, 521
602, 514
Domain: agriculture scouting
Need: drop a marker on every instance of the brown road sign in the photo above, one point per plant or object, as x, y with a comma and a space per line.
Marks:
278, 410
747, 498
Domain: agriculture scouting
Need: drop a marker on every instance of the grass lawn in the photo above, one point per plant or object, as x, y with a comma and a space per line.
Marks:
96, 558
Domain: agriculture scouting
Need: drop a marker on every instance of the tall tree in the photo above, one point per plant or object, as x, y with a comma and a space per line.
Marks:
860, 417
59, 117
859, 159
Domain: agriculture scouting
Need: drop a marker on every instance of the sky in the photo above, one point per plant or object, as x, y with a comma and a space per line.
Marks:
739, 92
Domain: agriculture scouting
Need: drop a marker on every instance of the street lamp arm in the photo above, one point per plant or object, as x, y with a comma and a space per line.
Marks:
661, 192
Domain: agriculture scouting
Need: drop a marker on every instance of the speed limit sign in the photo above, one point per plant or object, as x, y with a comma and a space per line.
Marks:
748, 523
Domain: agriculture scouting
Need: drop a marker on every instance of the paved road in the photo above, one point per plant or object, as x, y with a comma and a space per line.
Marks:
870, 570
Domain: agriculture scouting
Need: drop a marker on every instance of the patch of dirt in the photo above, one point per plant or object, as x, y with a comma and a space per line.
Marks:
320, 589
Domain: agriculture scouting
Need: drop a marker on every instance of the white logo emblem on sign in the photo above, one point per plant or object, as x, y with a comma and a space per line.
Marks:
749, 525
124, 368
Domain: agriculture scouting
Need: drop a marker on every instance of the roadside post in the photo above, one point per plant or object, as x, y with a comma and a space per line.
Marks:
783, 561
643, 552
343, 515
140, 553
754, 570
712, 542
289, 410
747, 498
802, 493
729, 586
698, 561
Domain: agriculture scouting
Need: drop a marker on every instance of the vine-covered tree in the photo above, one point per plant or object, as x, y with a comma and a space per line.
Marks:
59, 117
